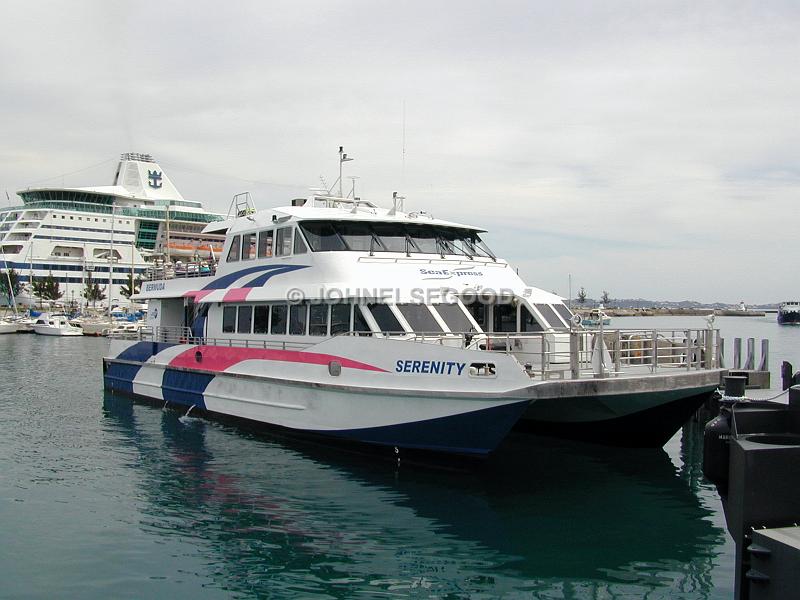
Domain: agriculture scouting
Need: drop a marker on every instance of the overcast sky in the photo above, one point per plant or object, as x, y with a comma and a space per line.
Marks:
651, 149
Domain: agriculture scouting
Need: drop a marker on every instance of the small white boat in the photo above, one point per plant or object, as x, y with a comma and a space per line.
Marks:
55, 325
8, 327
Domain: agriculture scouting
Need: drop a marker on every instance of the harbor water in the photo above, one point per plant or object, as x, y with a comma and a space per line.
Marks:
102, 497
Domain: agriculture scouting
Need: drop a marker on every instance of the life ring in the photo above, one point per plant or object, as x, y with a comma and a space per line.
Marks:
577, 319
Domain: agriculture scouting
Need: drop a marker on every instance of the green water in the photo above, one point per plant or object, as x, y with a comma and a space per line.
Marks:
101, 497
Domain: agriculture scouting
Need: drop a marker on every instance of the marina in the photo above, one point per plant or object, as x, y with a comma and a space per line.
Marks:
111, 497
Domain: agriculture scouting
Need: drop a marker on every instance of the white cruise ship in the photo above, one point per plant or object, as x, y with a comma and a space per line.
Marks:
78, 233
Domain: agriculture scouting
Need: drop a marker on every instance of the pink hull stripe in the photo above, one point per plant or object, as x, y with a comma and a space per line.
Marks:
236, 295
197, 295
220, 358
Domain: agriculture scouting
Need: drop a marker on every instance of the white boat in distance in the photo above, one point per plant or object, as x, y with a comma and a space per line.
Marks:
333, 317
55, 325
8, 327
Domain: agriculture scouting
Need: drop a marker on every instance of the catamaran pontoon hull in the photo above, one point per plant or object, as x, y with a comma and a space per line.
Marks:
258, 385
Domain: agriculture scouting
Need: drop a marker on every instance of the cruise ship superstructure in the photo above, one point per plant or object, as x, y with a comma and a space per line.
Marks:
79, 233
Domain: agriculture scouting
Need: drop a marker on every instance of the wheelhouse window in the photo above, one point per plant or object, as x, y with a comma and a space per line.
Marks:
265, 244
384, 317
419, 317
454, 317
478, 311
245, 321
233, 252
363, 236
279, 319
360, 324
229, 319
564, 312
318, 319
549, 315
283, 241
322, 236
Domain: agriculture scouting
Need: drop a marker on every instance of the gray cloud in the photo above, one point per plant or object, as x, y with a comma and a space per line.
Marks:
654, 143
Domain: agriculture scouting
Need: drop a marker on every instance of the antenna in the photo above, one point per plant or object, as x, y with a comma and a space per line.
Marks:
343, 158
403, 167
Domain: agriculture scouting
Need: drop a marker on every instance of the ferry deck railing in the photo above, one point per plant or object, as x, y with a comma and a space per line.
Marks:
557, 354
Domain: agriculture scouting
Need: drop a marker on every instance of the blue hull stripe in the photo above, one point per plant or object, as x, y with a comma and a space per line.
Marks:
477, 432
263, 278
226, 280
184, 387
120, 377
141, 351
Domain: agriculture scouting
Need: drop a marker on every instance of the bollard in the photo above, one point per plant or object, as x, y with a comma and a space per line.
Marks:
737, 353
734, 386
750, 361
764, 364
786, 375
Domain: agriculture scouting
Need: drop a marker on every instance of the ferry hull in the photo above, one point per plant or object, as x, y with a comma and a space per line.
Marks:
789, 317
439, 422
633, 413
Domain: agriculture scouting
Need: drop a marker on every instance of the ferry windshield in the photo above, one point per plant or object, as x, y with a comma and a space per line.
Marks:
331, 236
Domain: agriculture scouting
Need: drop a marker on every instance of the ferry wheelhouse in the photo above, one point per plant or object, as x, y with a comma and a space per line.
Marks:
78, 234
335, 317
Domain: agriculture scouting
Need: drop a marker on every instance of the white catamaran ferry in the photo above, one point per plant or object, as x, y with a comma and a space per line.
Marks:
75, 234
334, 317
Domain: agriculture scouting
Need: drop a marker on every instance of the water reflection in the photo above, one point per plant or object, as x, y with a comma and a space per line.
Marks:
543, 517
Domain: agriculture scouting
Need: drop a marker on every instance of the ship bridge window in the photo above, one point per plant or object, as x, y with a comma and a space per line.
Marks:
283, 241
549, 315
384, 317
478, 311
357, 236
233, 252
528, 321
392, 236
564, 312
265, 244
322, 237
419, 317
360, 324
424, 238
456, 319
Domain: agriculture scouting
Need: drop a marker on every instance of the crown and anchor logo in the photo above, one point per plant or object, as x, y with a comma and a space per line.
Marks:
154, 179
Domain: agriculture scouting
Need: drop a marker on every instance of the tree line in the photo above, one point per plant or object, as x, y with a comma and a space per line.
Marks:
48, 288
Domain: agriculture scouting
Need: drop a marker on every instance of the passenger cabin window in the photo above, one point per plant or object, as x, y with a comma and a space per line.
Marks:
261, 319
357, 236
279, 319
505, 317
245, 319
359, 322
454, 317
297, 319
419, 318
229, 319
385, 318
322, 237
233, 252
265, 244
318, 319
340, 318
248, 246
549, 315
478, 311
283, 241
528, 321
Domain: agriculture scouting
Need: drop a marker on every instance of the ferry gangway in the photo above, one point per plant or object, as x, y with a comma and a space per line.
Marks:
558, 354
